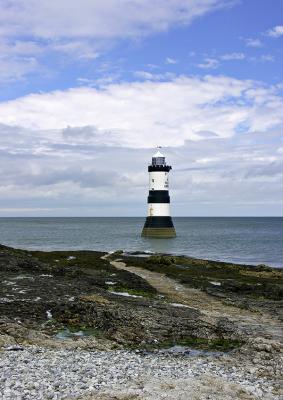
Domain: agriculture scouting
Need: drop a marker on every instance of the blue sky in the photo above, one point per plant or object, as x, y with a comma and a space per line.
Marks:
95, 81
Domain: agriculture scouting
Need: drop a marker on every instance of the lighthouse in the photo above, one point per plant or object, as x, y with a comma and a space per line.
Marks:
158, 222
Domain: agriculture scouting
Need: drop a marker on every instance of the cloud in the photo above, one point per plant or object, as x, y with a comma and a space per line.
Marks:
266, 58
215, 62
275, 32
79, 49
144, 114
271, 169
19, 48
35, 33
14, 68
149, 76
233, 56
209, 63
171, 61
96, 19
250, 42
18, 59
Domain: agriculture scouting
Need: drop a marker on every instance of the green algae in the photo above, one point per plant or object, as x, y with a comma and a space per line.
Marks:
90, 266
257, 282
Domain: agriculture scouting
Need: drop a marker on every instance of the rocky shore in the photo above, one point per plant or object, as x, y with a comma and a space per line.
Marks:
87, 325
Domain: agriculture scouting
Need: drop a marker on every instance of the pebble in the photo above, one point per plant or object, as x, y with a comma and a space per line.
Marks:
36, 373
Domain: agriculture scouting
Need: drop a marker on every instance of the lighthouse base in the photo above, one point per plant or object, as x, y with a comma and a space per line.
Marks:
159, 227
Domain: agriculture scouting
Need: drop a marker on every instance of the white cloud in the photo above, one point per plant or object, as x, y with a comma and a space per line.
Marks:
263, 58
267, 57
19, 48
145, 75
209, 63
250, 42
68, 30
100, 19
78, 49
18, 59
14, 68
144, 114
215, 62
276, 31
171, 61
233, 56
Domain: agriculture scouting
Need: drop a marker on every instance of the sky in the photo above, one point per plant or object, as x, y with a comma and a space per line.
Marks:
88, 90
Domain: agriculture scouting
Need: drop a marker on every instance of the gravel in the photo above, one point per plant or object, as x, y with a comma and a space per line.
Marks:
32, 372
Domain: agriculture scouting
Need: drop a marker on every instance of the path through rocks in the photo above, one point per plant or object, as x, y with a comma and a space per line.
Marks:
253, 324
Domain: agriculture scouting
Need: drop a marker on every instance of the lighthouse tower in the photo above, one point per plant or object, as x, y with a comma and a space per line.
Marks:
158, 222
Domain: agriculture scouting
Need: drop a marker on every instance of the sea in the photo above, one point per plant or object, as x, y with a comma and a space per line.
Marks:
244, 240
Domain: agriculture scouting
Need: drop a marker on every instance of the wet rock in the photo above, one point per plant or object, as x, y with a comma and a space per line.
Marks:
44, 282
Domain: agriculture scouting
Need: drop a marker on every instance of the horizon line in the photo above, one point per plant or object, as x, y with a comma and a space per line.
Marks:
139, 216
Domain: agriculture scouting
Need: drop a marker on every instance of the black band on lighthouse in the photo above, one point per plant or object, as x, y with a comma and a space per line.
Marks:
159, 168
158, 196
158, 222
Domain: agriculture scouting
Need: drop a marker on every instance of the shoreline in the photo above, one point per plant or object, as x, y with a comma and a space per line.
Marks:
134, 251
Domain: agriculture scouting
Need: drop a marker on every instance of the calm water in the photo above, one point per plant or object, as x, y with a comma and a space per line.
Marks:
242, 240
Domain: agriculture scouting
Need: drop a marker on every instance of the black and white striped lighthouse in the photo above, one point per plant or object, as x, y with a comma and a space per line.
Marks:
158, 222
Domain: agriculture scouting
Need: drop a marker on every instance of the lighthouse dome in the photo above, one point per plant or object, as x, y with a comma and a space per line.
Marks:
158, 159
158, 154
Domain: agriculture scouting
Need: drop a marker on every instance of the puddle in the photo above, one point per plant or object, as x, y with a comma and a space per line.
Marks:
139, 255
179, 305
215, 283
68, 334
182, 266
126, 294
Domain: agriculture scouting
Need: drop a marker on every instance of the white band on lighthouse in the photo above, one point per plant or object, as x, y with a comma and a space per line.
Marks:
158, 210
158, 180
